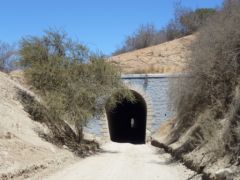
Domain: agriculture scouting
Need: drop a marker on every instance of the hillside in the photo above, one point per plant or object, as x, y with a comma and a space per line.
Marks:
22, 152
25, 155
168, 57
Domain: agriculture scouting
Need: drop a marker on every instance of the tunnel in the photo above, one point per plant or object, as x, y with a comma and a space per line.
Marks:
127, 121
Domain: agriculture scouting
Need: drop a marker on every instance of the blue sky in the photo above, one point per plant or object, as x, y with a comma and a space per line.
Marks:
100, 24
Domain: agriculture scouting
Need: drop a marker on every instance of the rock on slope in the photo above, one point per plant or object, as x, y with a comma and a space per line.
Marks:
163, 58
22, 151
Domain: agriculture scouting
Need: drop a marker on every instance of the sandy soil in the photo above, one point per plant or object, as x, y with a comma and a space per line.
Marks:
168, 57
22, 152
204, 156
125, 162
24, 155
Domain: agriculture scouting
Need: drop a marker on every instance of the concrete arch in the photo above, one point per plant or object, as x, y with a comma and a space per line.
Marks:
148, 101
149, 114
127, 120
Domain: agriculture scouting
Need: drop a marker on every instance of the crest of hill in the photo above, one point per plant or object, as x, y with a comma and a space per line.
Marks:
168, 57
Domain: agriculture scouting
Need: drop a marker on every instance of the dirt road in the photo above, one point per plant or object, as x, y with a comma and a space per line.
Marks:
125, 162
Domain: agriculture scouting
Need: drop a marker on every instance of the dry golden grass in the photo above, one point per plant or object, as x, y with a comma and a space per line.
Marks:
169, 57
164, 131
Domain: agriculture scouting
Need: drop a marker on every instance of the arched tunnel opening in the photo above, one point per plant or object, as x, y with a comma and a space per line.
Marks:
127, 121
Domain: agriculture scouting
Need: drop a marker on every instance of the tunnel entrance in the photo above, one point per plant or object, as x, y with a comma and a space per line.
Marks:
127, 121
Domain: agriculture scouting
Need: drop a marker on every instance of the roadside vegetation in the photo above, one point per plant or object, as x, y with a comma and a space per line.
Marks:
185, 22
207, 100
73, 83
7, 56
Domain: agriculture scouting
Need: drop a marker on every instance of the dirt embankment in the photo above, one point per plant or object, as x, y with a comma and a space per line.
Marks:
22, 152
169, 57
206, 157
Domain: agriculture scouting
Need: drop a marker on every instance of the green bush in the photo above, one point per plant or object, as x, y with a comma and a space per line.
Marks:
72, 82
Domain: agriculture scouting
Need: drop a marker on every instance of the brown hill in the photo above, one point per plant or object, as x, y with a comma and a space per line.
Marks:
168, 57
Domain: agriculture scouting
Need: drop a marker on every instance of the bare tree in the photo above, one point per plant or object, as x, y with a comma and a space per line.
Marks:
145, 36
211, 90
186, 21
6, 52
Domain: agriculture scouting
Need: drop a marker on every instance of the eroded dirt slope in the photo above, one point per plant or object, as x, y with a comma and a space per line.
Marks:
22, 151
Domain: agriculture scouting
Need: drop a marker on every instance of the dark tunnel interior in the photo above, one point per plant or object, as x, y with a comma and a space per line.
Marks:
127, 121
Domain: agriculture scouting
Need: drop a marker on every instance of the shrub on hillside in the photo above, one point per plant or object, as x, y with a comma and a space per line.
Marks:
6, 53
185, 22
71, 81
214, 76
145, 36
193, 20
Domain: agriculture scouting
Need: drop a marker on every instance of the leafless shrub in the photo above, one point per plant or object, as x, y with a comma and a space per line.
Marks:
145, 36
185, 22
233, 133
214, 71
6, 52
